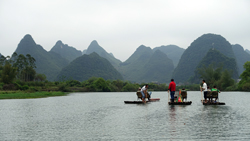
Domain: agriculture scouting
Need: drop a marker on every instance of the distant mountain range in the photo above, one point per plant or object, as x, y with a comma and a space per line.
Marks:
144, 65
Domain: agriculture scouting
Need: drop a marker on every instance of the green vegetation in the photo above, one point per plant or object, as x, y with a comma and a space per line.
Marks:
215, 76
25, 95
244, 84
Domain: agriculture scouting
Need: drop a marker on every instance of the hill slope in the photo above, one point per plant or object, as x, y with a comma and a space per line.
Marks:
87, 66
172, 51
95, 47
48, 63
218, 59
145, 65
241, 56
196, 52
67, 52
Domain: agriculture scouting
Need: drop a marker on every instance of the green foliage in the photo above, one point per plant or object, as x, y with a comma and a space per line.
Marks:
245, 77
24, 95
40, 77
73, 83
8, 73
129, 87
216, 77
101, 86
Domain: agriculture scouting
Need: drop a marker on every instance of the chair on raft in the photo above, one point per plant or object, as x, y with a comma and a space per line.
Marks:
184, 95
211, 95
139, 95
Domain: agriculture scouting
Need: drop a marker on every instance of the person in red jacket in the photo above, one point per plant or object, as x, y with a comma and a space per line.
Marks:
171, 87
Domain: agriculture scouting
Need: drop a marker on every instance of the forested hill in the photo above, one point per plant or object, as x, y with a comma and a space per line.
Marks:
95, 47
197, 51
87, 66
48, 63
145, 65
67, 52
217, 59
241, 56
172, 51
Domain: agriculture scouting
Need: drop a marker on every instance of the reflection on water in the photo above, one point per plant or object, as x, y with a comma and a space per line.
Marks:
104, 116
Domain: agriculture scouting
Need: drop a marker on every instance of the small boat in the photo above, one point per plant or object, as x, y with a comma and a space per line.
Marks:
180, 103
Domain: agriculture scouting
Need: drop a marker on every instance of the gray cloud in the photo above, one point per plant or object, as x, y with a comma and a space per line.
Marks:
121, 26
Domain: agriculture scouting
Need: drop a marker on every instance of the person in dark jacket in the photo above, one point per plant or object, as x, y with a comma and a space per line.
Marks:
171, 88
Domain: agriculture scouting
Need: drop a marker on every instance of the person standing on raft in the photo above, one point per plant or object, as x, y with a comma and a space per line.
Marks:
204, 89
171, 88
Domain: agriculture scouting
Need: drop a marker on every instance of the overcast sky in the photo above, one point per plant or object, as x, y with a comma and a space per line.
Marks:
120, 26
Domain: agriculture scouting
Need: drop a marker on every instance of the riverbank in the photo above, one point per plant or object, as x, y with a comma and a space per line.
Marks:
27, 95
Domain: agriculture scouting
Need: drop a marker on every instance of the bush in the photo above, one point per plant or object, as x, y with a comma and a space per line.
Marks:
63, 88
246, 87
73, 83
9, 87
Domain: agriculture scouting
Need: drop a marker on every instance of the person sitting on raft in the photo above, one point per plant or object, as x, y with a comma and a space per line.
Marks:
144, 92
183, 90
215, 89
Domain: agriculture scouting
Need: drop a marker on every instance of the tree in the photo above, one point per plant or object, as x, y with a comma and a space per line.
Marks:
244, 84
40, 77
8, 73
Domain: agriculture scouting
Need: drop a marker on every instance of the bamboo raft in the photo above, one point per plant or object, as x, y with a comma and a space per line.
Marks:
180, 103
182, 95
213, 103
139, 96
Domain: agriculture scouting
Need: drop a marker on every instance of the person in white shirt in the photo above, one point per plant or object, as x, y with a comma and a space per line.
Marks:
204, 89
144, 92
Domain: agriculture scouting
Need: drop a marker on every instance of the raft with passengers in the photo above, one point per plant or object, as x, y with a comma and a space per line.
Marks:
177, 99
143, 96
211, 96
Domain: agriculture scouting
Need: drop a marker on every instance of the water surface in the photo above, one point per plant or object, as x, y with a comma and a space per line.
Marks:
104, 116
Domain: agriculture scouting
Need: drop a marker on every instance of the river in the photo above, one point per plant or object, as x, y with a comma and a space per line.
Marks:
104, 116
